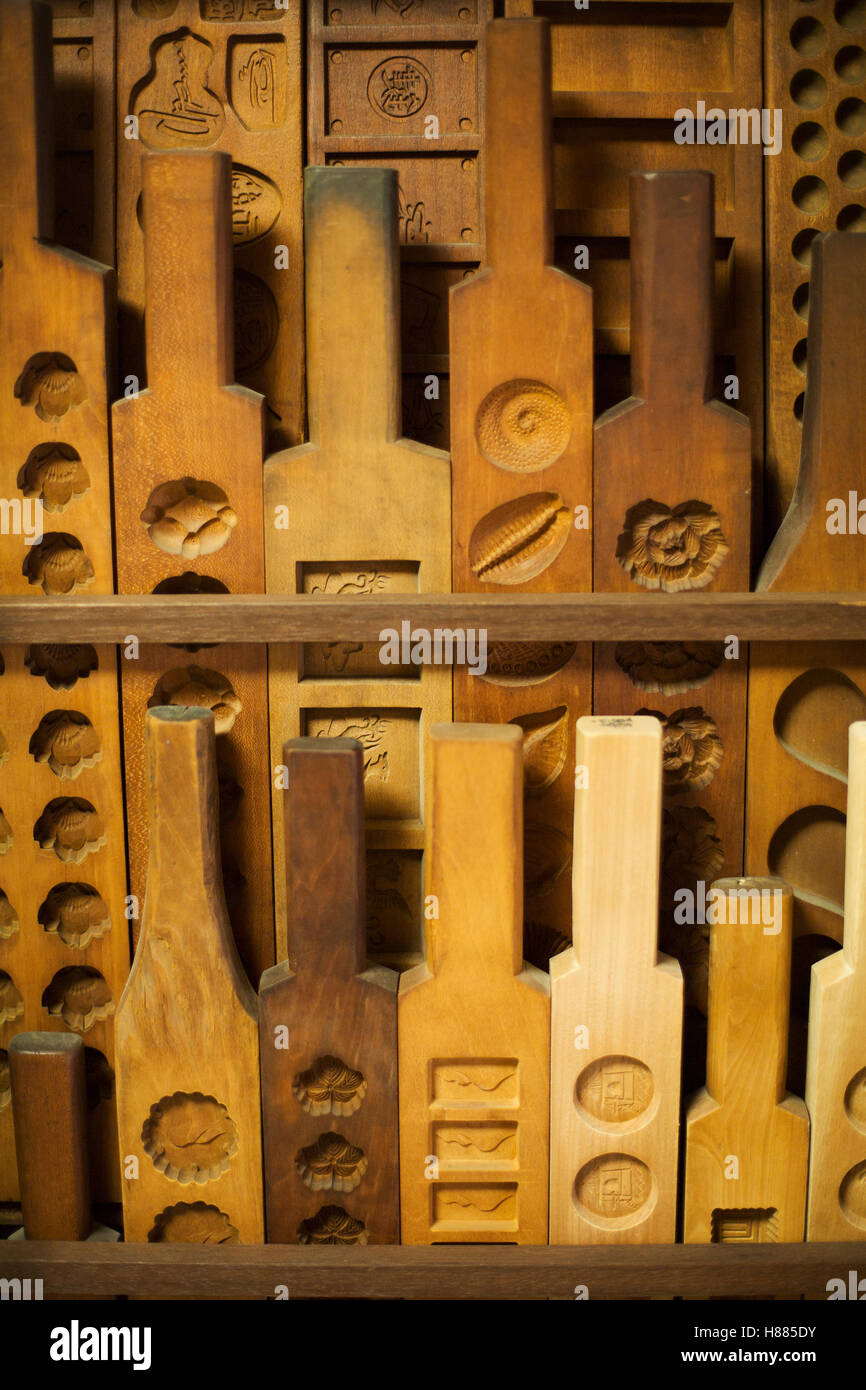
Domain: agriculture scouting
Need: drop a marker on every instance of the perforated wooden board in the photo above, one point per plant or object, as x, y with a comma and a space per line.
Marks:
64, 941
223, 75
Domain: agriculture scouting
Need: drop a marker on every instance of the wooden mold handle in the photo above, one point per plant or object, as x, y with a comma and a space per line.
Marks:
325, 857
49, 1108
518, 185
749, 983
854, 937
189, 319
617, 842
26, 123
671, 285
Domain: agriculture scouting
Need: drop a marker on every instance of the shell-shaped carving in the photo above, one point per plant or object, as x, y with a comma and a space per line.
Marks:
330, 1087
75, 912
5, 1079
691, 848
546, 856
66, 741
671, 548
9, 923
332, 1225
189, 1137
541, 941
331, 1164
545, 747
518, 540
98, 1077
11, 1003
55, 474
193, 1223
6, 836
692, 749
80, 996
526, 663
191, 583
4, 749
71, 827
189, 517
58, 563
51, 384
61, 663
668, 668
195, 685
523, 425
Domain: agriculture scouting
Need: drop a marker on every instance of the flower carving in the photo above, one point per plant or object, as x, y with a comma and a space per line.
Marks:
51, 384
75, 912
67, 742
59, 564
61, 663
71, 827
199, 686
331, 1163
8, 918
691, 849
189, 517
671, 548
55, 474
330, 1087
193, 1223
691, 748
80, 996
332, 1226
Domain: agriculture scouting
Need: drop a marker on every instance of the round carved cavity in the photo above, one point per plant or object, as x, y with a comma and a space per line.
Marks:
330, 1087
50, 383
614, 1089
800, 301
852, 1195
59, 563
11, 1003
80, 996
851, 14
526, 663
808, 851
668, 668
808, 37
671, 548
6, 836
692, 749
332, 1225
855, 1099
518, 540
193, 1223
801, 246
541, 942
256, 205
5, 1079
810, 140
98, 1077
691, 848
75, 912
189, 1137
332, 1164
850, 63
67, 741
257, 321
852, 169
799, 406
613, 1189
546, 856
9, 923
808, 88
812, 717
799, 355
851, 116
191, 583
189, 517
71, 827
810, 195
852, 218
61, 663
523, 425
55, 474
201, 687
545, 747
398, 87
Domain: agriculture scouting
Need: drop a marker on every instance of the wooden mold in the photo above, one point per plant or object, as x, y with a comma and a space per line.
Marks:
222, 75
188, 507
49, 1098
474, 1019
187, 1036
360, 510
671, 514
328, 1023
522, 461
64, 942
747, 1139
401, 83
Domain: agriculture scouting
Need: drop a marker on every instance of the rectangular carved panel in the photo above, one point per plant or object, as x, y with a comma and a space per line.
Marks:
84, 126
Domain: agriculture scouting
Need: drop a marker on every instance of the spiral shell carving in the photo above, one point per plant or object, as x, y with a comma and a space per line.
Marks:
190, 1138
189, 517
55, 474
11, 1003
195, 685
61, 663
691, 749
330, 1087
671, 548
523, 425
51, 384
6, 836
59, 564
332, 1226
80, 996
67, 742
9, 923
545, 747
75, 912
71, 827
519, 539
526, 663
331, 1163
668, 668
193, 1223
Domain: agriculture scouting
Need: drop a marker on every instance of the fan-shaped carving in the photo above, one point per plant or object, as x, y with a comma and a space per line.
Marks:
61, 663
193, 1223
330, 1087
189, 1137
332, 1225
11, 1003
9, 923
668, 668
692, 749
671, 547
55, 474
76, 912
189, 517
196, 685
67, 742
545, 747
80, 996
71, 827
51, 384
332, 1164
58, 563
519, 539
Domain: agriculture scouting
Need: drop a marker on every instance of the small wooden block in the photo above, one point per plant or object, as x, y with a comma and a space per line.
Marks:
49, 1103
474, 1020
616, 1006
187, 1034
747, 1138
328, 1023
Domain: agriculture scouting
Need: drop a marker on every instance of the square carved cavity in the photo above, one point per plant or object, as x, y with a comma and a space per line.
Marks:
745, 1226
349, 660
395, 907
391, 740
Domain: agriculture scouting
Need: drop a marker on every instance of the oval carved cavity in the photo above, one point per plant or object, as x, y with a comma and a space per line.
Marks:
75, 912
692, 749
50, 383
671, 548
191, 583
332, 1225
9, 923
6, 836
80, 996
613, 1186
61, 663
71, 827
189, 1137
852, 1195
98, 1077
808, 851
518, 540
545, 747
256, 205
193, 1223
11, 1003
615, 1089
668, 668
58, 563
855, 1099
691, 848
5, 1079
55, 474
546, 856
812, 717
67, 742
523, 425
526, 663
197, 685
331, 1164
330, 1087
189, 517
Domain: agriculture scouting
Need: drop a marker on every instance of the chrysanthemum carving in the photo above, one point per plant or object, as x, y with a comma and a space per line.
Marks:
193, 1223
671, 548
692, 749
668, 668
332, 1226
189, 1137
330, 1087
691, 848
332, 1164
